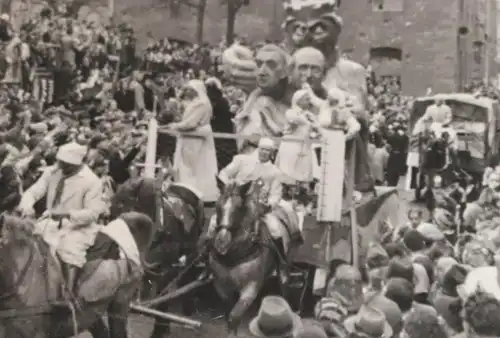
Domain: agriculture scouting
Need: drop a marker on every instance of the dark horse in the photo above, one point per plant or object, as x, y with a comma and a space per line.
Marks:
31, 280
241, 253
179, 218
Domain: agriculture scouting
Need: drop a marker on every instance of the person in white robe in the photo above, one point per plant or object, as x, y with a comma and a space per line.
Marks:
439, 112
295, 158
195, 162
74, 204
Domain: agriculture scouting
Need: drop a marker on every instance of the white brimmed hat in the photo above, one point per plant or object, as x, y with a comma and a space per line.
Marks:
72, 153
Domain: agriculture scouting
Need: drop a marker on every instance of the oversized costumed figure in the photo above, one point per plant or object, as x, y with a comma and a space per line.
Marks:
314, 24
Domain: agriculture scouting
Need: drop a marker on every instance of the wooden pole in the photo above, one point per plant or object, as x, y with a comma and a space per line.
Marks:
111, 8
166, 315
352, 206
150, 163
177, 293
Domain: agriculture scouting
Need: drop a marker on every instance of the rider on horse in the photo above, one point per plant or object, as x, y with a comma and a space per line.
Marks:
258, 167
74, 203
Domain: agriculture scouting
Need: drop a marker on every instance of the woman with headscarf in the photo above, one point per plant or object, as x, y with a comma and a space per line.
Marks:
195, 158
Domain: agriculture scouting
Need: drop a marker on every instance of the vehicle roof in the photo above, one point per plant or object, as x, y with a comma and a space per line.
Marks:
462, 97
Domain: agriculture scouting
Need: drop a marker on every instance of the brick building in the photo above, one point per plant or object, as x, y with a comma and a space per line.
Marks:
418, 40
256, 21
438, 44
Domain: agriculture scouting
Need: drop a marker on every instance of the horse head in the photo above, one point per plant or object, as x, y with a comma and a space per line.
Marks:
15, 229
236, 210
136, 194
17, 252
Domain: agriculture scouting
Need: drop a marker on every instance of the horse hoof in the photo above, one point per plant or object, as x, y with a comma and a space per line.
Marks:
232, 328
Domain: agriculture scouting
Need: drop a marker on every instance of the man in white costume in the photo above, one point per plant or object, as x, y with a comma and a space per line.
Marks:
439, 113
74, 204
258, 166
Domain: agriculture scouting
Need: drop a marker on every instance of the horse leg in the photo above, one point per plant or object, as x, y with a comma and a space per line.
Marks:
247, 297
226, 298
118, 319
162, 326
99, 329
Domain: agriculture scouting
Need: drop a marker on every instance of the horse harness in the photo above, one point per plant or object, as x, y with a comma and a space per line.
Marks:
176, 200
258, 237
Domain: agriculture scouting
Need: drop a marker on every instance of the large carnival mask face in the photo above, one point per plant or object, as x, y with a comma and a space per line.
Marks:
315, 25
271, 68
308, 67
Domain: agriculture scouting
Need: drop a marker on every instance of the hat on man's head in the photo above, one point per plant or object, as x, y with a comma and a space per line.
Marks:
311, 330
72, 153
275, 319
267, 143
430, 231
369, 321
390, 309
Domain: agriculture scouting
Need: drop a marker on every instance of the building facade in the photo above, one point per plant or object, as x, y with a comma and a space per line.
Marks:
441, 45
258, 21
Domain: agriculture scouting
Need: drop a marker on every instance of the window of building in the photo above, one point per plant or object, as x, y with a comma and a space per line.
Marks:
387, 5
386, 53
386, 61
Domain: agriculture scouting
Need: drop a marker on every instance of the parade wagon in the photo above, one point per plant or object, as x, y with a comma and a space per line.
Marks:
476, 122
329, 230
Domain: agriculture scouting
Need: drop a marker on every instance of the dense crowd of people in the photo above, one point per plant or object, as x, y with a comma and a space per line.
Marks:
77, 93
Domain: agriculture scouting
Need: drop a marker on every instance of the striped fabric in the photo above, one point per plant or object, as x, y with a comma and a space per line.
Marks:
331, 313
333, 309
43, 86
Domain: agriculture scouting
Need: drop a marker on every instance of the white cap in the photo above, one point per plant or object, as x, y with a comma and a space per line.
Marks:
215, 81
72, 153
266, 143
5, 17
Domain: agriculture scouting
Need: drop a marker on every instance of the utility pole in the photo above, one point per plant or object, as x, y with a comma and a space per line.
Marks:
487, 43
275, 25
111, 8
463, 31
